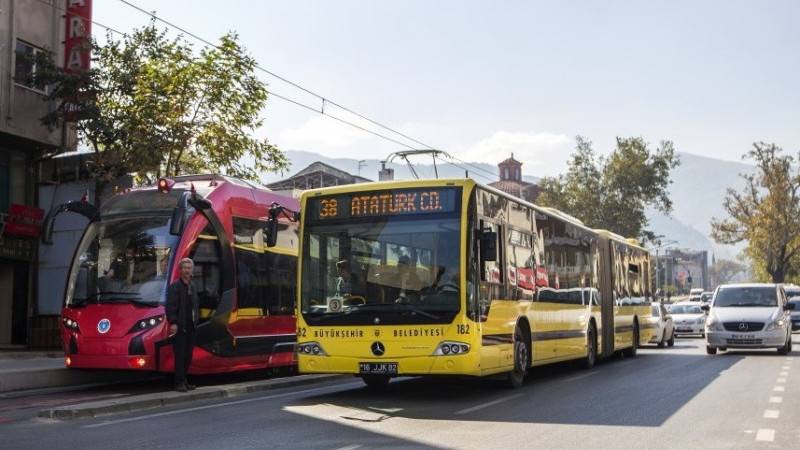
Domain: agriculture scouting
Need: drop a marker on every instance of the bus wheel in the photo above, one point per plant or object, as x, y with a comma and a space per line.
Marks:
631, 352
517, 374
376, 381
591, 347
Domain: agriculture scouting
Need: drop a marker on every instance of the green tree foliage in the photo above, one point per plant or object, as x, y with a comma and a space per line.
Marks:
612, 192
153, 106
765, 214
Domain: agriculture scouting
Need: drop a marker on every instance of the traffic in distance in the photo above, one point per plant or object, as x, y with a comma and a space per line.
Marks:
113, 313
379, 280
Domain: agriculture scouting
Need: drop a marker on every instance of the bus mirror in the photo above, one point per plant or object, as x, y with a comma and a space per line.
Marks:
488, 246
271, 232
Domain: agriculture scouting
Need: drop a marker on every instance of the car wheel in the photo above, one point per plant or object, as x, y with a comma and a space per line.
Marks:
663, 342
787, 347
711, 350
671, 340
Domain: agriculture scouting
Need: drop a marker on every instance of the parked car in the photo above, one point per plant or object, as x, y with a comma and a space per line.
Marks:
706, 297
689, 318
661, 321
749, 315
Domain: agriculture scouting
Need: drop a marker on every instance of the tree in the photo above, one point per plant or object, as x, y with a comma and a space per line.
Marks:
612, 193
154, 107
765, 214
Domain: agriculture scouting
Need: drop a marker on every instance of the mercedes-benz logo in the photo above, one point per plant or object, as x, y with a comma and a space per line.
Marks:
743, 327
377, 348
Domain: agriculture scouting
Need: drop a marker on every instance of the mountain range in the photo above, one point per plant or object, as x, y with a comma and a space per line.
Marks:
698, 189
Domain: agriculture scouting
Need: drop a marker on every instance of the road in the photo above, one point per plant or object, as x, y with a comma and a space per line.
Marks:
672, 398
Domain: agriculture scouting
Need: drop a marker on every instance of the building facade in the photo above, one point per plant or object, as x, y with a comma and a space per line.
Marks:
27, 27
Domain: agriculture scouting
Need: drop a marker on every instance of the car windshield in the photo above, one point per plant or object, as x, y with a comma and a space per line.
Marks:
746, 296
685, 309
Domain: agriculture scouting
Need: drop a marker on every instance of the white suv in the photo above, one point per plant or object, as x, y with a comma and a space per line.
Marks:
751, 315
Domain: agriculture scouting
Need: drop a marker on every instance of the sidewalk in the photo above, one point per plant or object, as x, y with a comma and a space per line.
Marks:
31, 369
22, 369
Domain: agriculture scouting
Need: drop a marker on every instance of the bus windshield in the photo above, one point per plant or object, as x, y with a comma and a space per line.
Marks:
122, 261
382, 270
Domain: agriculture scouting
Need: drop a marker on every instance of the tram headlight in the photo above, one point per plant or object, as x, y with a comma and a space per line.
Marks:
71, 325
146, 324
165, 185
310, 348
451, 348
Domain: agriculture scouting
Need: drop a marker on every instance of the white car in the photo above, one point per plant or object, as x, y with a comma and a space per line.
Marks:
752, 315
661, 321
688, 318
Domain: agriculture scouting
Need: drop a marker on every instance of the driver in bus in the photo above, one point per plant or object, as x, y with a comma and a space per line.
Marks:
127, 268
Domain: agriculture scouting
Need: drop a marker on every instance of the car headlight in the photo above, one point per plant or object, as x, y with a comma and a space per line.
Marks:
712, 324
775, 325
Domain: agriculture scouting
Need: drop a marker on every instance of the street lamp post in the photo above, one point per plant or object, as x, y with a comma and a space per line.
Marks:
659, 245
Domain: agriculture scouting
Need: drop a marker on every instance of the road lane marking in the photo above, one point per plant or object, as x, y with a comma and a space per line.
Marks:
781, 380
765, 434
488, 404
771, 414
776, 399
784, 374
778, 388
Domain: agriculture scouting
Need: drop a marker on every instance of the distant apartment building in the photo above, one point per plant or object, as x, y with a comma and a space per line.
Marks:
28, 27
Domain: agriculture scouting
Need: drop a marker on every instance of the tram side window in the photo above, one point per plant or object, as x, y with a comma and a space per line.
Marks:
207, 272
280, 289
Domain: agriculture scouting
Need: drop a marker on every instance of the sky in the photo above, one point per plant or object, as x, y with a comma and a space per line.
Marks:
485, 80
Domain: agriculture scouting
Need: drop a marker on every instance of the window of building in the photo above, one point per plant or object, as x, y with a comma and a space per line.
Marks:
25, 65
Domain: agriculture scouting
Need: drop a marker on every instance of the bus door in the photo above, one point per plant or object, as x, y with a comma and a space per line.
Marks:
607, 303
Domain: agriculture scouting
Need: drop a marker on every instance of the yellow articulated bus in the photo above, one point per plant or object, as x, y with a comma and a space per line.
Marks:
450, 277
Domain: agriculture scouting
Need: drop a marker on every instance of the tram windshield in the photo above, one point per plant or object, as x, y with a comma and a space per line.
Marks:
122, 261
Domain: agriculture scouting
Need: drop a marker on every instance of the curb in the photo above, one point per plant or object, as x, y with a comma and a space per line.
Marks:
171, 398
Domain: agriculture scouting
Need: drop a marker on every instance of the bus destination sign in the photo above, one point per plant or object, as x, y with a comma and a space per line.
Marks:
397, 202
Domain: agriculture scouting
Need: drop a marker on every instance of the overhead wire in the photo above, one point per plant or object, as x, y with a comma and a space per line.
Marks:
323, 99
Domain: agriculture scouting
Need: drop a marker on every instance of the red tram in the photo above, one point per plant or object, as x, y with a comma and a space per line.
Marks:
113, 313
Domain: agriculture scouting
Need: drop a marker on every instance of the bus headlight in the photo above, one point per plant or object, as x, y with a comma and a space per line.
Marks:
451, 348
311, 349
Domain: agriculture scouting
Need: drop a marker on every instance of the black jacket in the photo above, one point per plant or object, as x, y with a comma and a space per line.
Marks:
183, 305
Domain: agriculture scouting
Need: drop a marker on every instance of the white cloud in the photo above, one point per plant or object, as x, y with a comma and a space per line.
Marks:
324, 133
541, 154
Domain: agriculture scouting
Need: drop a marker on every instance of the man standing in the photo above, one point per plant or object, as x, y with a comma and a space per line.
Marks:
183, 310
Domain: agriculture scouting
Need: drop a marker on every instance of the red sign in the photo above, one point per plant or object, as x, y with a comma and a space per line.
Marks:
78, 42
24, 220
